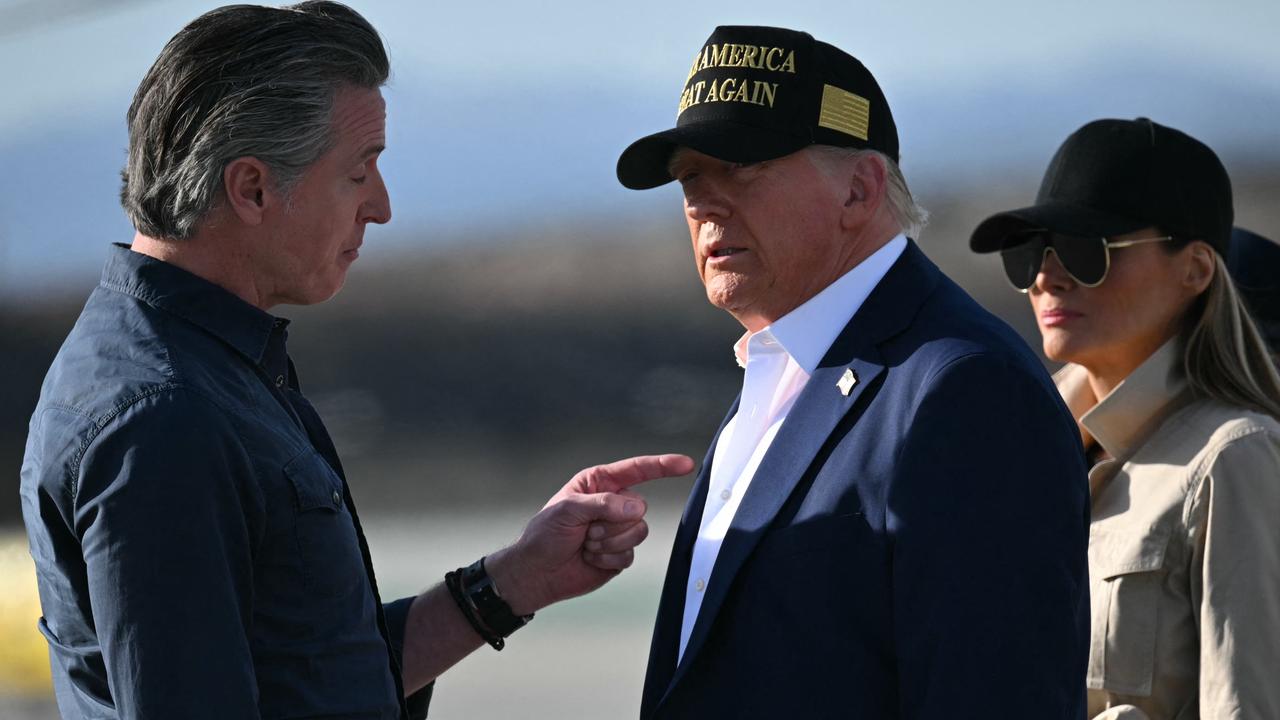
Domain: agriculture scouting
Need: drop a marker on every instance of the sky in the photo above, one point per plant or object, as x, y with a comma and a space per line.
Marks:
505, 113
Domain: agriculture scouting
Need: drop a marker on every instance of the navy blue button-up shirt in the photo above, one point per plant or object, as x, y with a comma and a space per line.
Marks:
197, 551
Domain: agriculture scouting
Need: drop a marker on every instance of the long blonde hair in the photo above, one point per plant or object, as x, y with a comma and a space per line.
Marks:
1224, 355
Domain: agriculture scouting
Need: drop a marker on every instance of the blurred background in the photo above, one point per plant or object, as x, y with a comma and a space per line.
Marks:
523, 315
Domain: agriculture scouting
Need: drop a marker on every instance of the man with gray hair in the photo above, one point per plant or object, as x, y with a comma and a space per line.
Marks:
892, 521
197, 549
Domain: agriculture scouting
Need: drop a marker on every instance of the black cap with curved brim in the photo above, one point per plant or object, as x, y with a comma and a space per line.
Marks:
1112, 177
759, 93
1065, 218
1254, 264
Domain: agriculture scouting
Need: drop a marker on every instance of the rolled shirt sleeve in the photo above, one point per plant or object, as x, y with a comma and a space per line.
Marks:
167, 523
1238, 581
397, 615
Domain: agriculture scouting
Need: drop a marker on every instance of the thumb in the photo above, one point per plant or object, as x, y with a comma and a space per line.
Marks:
601, 507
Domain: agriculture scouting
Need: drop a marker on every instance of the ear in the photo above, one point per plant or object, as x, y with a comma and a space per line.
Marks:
868, 182
249, 190
1200, 267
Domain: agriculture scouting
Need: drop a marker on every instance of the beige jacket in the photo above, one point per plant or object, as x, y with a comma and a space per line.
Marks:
1184, 551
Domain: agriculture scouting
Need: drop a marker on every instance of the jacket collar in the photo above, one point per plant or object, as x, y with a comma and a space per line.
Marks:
807, 332
1122, 419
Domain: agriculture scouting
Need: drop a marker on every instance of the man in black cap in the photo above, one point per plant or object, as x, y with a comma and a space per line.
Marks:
892, 520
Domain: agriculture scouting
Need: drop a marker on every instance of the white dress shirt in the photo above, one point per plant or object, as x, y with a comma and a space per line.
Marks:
778, 360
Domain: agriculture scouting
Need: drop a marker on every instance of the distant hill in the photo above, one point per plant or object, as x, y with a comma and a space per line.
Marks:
458, 168
496, 363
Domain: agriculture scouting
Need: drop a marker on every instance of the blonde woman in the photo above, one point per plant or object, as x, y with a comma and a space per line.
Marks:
1178, 406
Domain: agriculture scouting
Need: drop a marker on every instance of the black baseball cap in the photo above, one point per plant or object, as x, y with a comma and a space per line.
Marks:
759, 93
1112, 177
1254, 264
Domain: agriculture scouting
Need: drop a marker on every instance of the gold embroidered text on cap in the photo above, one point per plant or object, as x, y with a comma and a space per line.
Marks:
844, 112
756, 93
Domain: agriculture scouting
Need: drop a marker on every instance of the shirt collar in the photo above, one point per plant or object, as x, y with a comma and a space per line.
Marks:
244, 327
1121, 420
762, 342
807, 332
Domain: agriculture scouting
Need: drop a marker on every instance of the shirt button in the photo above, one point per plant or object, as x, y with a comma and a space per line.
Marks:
699, 585
337, 498
279, 381
725, 494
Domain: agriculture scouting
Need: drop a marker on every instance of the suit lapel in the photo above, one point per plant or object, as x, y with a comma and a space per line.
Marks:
666, 631
817, 411
807, 427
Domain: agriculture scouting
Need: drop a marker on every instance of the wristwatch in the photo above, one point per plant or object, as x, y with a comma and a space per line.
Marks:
482, 594
482, 605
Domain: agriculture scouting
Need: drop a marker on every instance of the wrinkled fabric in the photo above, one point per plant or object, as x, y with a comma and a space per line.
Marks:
907, 544
1184, 550
197, 550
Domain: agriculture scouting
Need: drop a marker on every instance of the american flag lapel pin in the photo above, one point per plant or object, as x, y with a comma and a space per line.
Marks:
847, 381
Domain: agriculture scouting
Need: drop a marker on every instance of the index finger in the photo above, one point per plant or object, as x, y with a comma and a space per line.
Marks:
625, 473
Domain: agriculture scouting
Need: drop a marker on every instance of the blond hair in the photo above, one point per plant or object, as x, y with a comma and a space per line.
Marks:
1224, 355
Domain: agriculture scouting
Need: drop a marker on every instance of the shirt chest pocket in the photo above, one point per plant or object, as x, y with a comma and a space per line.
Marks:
1126, 571
328, 550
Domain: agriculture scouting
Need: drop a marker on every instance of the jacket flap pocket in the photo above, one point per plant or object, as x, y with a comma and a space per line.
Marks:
1115, 553
831, 533
315, 484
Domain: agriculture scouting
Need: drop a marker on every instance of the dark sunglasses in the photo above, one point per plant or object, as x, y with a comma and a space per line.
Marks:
1086, 259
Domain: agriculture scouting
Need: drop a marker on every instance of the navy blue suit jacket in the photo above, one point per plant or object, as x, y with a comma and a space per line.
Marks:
915, 549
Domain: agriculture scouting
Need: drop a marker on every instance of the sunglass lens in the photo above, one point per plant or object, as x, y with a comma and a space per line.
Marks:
1084, 258
1022, 261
